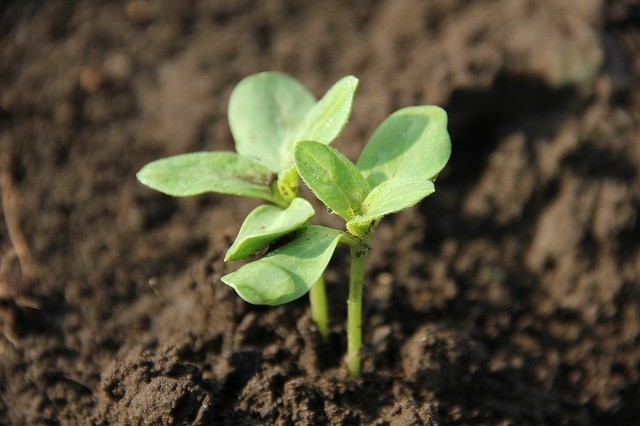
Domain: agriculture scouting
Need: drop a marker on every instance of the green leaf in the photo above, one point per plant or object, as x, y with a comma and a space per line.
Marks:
332, 177
267, 223
324, 122
200, 172
389, 197
265, 110
411, 142
288, 272
287, 183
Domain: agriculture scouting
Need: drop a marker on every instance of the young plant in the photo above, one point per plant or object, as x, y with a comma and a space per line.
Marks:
395, 171
268, 113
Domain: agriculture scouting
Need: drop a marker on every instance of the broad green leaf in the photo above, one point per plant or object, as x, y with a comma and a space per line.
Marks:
267, 223
288, 272
389, 197
265, 110
324, 122
326, 119
200, 172
332, 177
411, 142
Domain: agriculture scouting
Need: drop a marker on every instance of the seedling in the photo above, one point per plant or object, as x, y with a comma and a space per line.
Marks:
395, 171
268, 113
282, 133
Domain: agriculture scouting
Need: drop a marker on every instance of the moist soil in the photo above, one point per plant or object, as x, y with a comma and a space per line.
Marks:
510, 296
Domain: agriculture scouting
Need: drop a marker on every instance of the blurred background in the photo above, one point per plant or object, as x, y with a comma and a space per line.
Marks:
510, 296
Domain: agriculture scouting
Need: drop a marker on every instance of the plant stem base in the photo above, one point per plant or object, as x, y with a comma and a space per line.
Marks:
354, 310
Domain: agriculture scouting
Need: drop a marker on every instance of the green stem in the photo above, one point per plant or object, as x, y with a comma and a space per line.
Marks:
354, 310
284, 190
318, 300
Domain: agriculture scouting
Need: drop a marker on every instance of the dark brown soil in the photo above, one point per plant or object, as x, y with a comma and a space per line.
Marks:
511, 296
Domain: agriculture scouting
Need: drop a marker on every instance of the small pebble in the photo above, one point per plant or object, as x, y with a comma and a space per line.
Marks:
385, 278
118, 67
90, 79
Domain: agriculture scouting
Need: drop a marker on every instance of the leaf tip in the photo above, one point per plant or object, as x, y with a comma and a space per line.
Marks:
351, 80
144, 177
441, 112
140, 175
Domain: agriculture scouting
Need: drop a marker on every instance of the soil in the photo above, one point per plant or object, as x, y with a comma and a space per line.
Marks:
510, 296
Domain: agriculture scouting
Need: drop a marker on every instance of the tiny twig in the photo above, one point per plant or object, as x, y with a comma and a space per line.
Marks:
10, 207
10, 293
9, 336
6, 289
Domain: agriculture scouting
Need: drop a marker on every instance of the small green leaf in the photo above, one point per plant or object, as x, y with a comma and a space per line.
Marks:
267, 223
200, 172
332, 177
389, 197
265, 110
288, 272
411, 142
324, 122
287, 183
